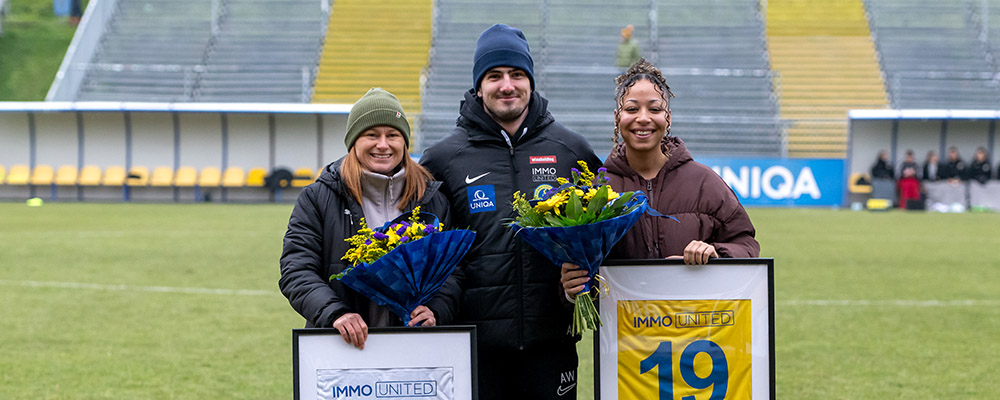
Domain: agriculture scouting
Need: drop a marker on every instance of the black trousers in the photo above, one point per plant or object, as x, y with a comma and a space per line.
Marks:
547, 372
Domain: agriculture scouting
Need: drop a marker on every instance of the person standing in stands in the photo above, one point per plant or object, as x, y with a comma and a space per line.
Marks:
378, 181
954, 169
883, 167
980, 170
932, 168
507, 141
628, 49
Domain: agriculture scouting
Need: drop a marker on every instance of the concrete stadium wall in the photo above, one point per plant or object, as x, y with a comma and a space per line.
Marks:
159, 134
920, 131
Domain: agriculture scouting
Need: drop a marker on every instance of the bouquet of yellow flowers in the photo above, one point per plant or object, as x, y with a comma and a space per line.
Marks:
404, 263
578, 222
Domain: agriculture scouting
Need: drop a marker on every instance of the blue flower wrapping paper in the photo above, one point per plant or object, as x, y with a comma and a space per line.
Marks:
411, 273
583, 245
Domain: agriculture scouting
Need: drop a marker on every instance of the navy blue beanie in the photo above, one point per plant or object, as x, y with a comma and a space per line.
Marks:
502, 46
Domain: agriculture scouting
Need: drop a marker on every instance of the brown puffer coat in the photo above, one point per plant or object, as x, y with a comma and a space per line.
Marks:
706, 207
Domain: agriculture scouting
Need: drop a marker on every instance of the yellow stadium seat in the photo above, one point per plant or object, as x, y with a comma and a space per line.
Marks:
114, 176
18, 175
185, 177
138, 176
210, 177
303, 177
90, 175
233, 177
854, 187
255, 178
162, 176
66, 175
42, 175
3, 173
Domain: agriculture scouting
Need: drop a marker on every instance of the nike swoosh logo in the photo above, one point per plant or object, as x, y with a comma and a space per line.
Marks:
561, 391
468, 181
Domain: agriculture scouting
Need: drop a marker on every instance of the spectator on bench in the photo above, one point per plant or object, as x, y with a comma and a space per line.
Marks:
908, 186
932, 169
883, 167
954, 169
909, 162
980, 170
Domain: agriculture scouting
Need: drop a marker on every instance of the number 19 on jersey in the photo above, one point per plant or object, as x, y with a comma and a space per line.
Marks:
684, 349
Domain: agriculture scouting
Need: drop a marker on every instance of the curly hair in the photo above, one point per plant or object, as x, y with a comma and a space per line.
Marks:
641, 70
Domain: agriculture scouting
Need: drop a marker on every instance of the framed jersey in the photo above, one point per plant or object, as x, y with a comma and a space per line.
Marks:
436, 362
672, 331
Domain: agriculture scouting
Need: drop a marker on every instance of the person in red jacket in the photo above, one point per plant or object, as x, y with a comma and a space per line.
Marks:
908, 187
712, 222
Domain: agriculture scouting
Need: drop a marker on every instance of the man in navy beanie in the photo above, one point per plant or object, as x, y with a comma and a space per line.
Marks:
507, 141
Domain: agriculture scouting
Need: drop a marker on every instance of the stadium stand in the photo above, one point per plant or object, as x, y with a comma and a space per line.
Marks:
936, 55
3, 173
264, 51
726, 103
357, 57
713, 56
826, 60
211, 51
149, 52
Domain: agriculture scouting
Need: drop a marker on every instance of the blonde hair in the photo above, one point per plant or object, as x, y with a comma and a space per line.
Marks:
415, 179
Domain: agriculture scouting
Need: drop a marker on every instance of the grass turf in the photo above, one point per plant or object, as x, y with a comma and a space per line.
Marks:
102, 301
31, 48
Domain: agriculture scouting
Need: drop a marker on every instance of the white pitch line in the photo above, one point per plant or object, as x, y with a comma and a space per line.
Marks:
127, 288
895, 303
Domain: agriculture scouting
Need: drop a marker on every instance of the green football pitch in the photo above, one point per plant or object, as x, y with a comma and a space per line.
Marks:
162, 301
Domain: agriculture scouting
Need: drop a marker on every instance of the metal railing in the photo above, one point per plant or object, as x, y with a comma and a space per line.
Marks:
194, 74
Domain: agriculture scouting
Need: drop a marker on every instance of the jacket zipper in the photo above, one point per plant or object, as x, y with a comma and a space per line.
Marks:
517, 258
656, 234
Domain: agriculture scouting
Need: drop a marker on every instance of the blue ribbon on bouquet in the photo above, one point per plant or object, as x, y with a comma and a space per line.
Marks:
413, 272
586, 245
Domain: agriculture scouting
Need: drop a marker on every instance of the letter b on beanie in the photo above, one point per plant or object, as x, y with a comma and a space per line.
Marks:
502, 46
376, 108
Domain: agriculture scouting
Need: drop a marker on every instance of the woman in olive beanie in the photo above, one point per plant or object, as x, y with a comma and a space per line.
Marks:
378, 181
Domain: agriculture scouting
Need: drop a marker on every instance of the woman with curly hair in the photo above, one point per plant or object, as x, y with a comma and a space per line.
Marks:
712, 222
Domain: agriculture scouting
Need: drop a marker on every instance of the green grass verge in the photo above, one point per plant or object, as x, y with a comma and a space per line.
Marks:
122, 339
31, 48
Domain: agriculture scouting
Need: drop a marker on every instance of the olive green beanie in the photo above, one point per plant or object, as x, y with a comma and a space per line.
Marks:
376, 108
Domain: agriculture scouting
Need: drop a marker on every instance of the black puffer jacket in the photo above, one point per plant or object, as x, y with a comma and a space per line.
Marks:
324, 215
507, 289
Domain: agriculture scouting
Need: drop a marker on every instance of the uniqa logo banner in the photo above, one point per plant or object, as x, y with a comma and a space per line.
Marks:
388, 383
782, 182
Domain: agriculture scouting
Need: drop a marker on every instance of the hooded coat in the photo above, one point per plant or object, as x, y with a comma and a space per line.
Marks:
706, 207
325, 214
505, 287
